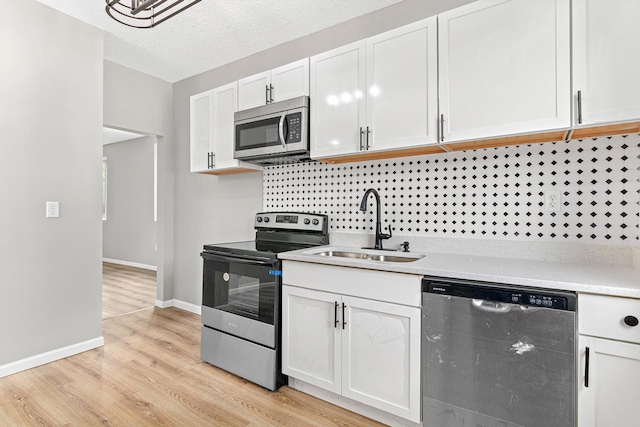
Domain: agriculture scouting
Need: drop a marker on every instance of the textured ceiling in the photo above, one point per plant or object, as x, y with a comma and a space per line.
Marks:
212, 32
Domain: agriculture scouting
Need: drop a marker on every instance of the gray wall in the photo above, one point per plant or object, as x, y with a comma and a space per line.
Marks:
211, 209
51, 149
129, 232
138, 102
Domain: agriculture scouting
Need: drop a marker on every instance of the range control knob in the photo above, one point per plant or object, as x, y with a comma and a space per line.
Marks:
307, 221
631, 321
266, 219
315, 221
259, 219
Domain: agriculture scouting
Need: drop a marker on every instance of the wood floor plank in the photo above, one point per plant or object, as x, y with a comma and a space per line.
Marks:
149, 373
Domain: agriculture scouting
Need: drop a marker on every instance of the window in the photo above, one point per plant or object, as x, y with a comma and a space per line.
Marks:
104, 188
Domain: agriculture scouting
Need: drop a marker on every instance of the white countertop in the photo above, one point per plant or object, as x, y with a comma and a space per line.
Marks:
593, 278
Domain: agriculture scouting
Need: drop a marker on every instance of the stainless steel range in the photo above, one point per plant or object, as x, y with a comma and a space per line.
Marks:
241, 295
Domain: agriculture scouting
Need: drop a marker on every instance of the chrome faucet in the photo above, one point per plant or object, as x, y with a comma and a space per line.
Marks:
363, 207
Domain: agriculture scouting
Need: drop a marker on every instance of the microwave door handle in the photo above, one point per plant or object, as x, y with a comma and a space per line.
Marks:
281, 131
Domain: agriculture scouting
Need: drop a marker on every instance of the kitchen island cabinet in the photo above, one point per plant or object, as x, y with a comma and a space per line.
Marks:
361, 348
377, 98
609, 366
212, 132
605, 66
504, 69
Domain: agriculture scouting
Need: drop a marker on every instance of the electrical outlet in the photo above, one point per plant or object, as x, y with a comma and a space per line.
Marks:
53, 209
552, 201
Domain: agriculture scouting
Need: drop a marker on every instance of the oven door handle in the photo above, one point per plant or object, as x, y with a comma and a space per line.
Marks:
248, 259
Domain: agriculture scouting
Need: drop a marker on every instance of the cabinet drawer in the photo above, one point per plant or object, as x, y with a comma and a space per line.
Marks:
609, 317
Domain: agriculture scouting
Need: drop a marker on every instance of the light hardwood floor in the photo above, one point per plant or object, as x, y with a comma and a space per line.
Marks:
149, 373
126, 289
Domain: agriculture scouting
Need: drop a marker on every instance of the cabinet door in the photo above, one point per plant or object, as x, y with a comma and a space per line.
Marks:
402, 87
290, 81
201, 130
337, 91
504, 68
381, 356
311, 337
252, 91
224, 105
606, 60
611, 398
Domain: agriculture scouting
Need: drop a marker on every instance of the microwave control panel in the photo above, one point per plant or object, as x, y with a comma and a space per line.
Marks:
294, 124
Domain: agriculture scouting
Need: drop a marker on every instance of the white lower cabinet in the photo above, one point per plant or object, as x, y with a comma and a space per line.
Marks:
609, 361
366, 350
608, 395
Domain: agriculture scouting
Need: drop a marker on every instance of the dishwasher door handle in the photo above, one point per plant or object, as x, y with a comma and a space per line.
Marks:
490, 306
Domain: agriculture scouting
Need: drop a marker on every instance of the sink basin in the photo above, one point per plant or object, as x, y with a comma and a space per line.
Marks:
371, 257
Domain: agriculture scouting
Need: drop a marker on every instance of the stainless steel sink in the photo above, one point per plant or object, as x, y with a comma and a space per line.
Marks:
371, 257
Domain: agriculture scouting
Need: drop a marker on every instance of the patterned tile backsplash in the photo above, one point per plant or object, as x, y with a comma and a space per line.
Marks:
494, 193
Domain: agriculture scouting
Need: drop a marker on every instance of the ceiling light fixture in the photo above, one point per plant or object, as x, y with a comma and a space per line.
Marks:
145, 13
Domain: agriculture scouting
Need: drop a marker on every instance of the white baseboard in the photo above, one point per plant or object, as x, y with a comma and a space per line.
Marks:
49, 356
186, 306
130, 264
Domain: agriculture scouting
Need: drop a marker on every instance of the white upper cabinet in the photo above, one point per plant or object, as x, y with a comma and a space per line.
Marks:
286, 82
402, 87
212, 132
504, 68
253, 91
201, 130
376, 94
606, 61
337, 93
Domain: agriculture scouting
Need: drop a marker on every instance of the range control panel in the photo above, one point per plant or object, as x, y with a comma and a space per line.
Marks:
291, 221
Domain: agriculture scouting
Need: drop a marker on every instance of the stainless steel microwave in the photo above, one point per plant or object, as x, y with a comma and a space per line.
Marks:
273, 134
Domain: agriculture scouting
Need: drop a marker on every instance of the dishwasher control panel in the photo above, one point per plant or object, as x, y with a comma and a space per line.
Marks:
500, 293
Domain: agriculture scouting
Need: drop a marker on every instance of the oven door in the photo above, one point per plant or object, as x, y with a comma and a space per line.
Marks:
241, 296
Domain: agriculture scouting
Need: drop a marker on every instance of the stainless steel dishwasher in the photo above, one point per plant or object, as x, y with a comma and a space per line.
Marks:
496, 355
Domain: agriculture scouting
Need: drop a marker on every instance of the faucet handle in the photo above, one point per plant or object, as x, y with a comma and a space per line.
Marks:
405, 246
387, 236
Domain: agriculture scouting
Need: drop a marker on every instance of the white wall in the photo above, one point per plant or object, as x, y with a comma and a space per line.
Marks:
129, 232
138, 102
51, 150
213, 209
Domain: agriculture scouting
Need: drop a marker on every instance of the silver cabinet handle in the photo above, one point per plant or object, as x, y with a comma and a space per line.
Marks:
266, 94
335, 314
579, 107
270, 92
368, 133
213, 160
441, 127
361, 139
